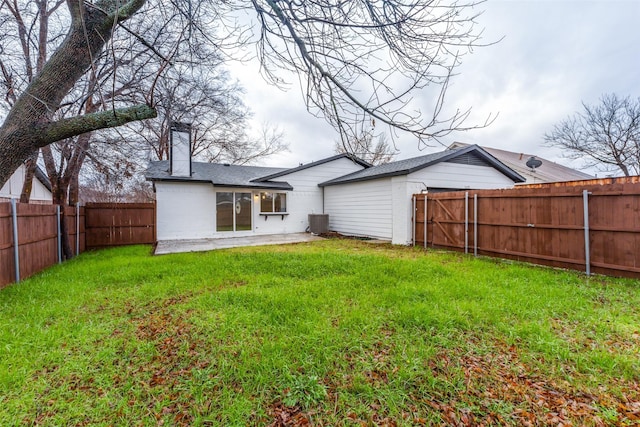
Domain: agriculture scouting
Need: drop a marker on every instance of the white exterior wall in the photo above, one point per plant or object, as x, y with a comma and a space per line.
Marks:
187, 210
13, 188
361, 208
306, 197
459, 176
403, 190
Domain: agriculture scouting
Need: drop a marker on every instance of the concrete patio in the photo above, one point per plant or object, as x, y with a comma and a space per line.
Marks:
200, 245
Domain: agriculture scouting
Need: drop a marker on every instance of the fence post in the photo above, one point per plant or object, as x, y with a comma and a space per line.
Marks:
466, 222
475, 225
77, 228
16, 246
425, 220
59, 234
414, 219
587, 251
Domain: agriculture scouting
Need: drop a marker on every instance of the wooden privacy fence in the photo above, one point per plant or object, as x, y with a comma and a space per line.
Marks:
119, 224
592, 226
35, 230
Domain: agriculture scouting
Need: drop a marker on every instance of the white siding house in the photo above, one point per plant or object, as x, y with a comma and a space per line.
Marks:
40, 190
377, 202
191, 208
222, 200
361, 208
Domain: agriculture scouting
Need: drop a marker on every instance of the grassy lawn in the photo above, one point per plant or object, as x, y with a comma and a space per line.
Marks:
329, 333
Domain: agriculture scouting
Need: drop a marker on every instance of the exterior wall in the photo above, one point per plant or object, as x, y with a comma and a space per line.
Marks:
187, 210
361, 208
13, 188
457, 176
403, 190
306, 197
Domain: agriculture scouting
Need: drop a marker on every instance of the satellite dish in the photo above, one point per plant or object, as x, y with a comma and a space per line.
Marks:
534, 163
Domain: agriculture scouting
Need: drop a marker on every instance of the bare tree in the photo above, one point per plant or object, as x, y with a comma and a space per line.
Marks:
206, 97
606, 135
352, 57
364, 147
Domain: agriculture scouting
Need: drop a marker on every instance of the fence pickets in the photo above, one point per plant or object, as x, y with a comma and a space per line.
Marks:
95, 225
590, 227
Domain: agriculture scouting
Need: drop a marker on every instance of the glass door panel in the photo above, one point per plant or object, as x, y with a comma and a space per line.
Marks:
243, 211
224, 211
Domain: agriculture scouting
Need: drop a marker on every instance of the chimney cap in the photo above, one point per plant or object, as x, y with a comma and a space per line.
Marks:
181, 126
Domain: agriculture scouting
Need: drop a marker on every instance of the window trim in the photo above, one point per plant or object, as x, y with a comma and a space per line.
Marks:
273, 203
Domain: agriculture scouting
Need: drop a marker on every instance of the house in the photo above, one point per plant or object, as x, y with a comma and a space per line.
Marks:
207, 200
376, 201
548, 171
40, 190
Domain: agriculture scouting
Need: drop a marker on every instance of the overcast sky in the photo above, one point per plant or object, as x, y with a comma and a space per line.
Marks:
554, 55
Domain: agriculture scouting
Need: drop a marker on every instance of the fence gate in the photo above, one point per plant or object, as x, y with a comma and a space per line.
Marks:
446, 221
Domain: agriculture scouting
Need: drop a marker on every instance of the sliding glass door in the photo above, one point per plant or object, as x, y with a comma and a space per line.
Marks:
233, 211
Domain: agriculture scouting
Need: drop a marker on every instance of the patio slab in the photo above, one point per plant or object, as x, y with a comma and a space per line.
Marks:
200, 245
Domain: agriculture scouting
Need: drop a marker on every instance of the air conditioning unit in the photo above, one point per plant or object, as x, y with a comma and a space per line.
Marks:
318, 223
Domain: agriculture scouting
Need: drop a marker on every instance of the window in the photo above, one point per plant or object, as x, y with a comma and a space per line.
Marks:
273, 202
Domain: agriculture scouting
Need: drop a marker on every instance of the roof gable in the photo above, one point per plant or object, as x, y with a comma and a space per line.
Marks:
472, 155
313, 164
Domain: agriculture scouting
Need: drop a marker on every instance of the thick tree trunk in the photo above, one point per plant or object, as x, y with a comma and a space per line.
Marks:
30, 171
28, 125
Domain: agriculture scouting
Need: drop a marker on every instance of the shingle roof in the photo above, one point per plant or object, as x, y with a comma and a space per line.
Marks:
219, 174
547, 172
407, 166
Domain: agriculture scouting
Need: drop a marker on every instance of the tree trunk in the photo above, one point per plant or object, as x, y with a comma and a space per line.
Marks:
28, 125
30, 170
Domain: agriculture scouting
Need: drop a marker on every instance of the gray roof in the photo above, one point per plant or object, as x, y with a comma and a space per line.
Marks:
547, 172
316, 163
407, 166
219, 174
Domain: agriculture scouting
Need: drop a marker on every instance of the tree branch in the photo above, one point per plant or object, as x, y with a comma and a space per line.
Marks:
73, 126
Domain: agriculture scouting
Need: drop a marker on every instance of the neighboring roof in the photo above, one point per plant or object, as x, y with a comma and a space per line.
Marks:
312, 164
547, 172
407, 166
219, 174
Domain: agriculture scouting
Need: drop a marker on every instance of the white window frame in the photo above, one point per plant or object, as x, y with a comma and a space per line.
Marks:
273, 202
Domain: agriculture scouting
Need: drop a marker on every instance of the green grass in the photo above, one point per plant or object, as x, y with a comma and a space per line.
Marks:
334, 333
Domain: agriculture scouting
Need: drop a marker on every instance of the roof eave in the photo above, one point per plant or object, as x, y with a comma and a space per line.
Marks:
313, 164
266, 186
365, 178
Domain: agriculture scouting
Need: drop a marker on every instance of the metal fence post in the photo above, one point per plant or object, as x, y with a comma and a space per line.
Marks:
59, 235
77, 228
425, 220
414, 220
16, 246
475, 225
587, 251
466, 222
